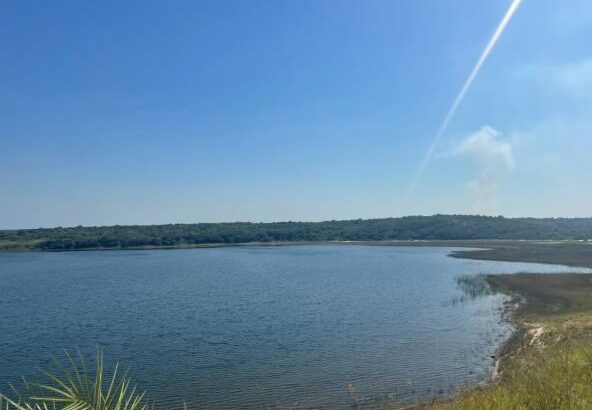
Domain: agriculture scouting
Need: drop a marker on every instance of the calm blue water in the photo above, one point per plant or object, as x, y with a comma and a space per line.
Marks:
258, 327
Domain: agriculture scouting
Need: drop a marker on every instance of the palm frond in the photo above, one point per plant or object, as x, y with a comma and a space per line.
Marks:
75, 387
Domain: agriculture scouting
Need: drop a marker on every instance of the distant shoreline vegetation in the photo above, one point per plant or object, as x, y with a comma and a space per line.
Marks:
436, 227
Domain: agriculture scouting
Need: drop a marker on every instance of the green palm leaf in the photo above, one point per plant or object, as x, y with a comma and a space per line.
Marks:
75, 387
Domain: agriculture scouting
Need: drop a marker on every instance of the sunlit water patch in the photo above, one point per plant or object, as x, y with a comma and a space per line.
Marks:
316, 326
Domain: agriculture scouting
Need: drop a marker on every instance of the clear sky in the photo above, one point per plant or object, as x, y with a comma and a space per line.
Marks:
140, 112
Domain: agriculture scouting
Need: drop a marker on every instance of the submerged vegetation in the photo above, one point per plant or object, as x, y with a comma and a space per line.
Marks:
474, 286
437, 227
548, 364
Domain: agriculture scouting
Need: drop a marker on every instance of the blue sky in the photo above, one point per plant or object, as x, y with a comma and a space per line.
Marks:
143, 112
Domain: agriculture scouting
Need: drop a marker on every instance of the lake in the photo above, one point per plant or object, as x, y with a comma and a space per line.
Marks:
324, 326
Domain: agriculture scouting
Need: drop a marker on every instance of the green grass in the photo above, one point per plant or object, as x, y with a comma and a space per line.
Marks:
558, 377
548, 364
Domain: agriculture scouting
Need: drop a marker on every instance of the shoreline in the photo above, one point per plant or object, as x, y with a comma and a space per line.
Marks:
552, 315
509, 315
571, 253
537, 306
534, 299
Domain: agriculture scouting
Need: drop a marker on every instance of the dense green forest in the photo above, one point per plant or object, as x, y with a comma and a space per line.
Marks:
406, 228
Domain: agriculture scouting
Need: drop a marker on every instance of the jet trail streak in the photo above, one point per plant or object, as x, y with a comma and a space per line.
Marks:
457, 101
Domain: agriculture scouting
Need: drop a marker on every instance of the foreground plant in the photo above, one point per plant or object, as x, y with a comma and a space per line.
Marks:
75, 387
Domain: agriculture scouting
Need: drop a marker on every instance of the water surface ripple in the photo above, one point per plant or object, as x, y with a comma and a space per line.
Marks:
259, 327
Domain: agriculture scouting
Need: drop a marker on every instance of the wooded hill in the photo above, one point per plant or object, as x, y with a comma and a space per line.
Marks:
445, 227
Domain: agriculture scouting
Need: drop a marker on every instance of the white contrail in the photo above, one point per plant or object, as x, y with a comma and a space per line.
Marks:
461, 95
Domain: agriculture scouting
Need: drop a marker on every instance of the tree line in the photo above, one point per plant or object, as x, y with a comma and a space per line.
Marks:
436, 227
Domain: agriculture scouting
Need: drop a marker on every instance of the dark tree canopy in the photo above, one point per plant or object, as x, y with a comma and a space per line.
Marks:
445, 227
